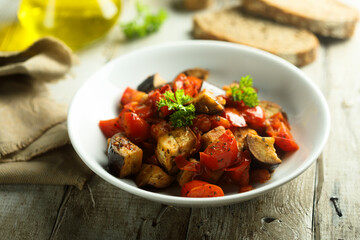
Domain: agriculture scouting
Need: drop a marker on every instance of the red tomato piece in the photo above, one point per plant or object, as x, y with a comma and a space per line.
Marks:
154, 98
235, 118
217, 120
165, 88
132, 95
220, 154
110, 127
207, 190
136, 128
284, 142
191, 85
197, 188
142, 110
245, 177
202, 123
190, 185
186, 165
235, 173
254, 116
195, 82
179, 82
277, 127
209, 161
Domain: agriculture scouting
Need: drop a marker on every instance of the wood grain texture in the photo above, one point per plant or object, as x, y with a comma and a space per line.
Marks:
103, 211
337, 215
28, 211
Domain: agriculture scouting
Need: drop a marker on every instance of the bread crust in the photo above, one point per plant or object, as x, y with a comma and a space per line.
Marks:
299, 58
340, 28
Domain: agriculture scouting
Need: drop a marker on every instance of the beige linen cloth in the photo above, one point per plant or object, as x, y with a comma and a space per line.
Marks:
34, 144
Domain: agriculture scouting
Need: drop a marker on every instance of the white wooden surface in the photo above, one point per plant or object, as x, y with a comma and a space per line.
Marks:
302, 209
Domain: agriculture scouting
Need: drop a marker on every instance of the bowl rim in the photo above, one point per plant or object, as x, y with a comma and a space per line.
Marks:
202, 202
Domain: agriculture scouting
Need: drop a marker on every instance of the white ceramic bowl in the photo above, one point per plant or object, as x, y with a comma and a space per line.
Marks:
276, 79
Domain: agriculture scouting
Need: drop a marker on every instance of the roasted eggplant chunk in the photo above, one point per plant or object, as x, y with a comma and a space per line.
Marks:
211, 136
186, 140
200, 73
240, 135
186, 176
154, 176
180, 141
166, 151
205, 102
125, 158
150, 83
270, 108
263, 149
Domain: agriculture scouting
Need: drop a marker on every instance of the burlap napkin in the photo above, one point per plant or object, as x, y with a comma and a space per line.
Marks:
32, 125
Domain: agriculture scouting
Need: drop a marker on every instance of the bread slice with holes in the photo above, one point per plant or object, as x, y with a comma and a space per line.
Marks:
298, 46
328, 18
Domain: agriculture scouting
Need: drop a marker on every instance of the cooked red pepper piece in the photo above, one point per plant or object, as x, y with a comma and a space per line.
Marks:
197, 188
186, 165
217, 120
202, 123
220, 154
277, 127
155, 96
190, 84
196, 82
142, 110
132, 95
234, 116
190, 185
208, 190
136, 128
236, 173
254, 116
110, 127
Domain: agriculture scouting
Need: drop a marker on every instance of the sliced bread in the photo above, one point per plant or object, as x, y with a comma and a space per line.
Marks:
296, 45
327, 18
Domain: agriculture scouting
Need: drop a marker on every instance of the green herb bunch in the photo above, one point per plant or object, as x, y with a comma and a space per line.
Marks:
245, 92
184, 114
145, 23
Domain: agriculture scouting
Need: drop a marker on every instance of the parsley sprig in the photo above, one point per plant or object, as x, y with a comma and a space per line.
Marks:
145, 22
184, 114
245, 92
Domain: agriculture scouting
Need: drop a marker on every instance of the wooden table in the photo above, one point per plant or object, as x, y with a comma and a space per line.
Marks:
323, 203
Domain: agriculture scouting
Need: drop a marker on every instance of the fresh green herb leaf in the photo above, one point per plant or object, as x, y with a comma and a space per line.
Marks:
184, 114
245, 92
145, 23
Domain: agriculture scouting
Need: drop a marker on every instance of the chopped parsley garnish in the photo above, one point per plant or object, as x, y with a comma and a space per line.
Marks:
245, 92
145, 23
184, 114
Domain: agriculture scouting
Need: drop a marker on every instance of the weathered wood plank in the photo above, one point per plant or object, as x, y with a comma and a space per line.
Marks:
103, 211
28, 211
337, 215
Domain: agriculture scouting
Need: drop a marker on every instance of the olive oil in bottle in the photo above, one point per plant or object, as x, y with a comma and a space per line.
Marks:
76, 22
